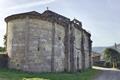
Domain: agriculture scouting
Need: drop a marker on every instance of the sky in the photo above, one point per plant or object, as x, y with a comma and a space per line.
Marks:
99, 17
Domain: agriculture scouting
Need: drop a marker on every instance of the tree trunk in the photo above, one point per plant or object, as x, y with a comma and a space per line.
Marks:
113, 65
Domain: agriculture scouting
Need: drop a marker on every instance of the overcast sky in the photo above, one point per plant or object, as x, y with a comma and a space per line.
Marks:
100, 17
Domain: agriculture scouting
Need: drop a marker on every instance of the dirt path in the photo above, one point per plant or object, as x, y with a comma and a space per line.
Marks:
108, 75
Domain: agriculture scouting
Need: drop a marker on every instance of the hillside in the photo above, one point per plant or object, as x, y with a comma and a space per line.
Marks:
98, 49
101, 49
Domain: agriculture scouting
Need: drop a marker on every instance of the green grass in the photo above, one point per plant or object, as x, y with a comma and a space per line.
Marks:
7, 74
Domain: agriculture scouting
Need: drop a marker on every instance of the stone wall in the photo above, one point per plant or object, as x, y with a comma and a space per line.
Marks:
76, 52
16, 43
59, 55
31, 47
86, 49
77, 49
39, 46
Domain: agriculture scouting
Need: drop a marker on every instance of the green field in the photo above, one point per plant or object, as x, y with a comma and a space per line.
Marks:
6, 74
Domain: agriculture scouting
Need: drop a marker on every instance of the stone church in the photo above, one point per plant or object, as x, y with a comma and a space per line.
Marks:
47, 42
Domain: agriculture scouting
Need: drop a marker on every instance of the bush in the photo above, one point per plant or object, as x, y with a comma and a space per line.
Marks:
103, 64
108, 65
99, 63
118, 65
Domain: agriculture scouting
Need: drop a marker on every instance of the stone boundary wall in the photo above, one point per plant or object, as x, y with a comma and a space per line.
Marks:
3, 60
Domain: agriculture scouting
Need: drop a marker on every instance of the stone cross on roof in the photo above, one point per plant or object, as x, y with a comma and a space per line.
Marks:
47, 8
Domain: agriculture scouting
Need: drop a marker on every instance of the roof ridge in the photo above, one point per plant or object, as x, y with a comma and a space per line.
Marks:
49, 11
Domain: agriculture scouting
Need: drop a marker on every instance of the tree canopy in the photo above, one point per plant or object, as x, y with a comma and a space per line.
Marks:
112, 56
2, 49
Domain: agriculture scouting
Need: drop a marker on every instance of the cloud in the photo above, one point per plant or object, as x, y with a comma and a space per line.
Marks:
27, 5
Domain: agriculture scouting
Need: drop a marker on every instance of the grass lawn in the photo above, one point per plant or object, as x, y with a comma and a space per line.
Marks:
7, 74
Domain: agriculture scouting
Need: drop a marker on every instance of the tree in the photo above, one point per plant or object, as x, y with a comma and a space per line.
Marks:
2, 49
5, 41
112, 56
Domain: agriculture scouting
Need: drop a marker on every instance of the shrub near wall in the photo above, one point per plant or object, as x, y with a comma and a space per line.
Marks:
3, 60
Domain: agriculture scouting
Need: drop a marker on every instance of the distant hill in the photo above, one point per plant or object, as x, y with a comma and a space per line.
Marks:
101, 49
98, 49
